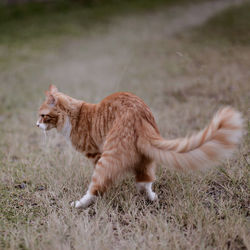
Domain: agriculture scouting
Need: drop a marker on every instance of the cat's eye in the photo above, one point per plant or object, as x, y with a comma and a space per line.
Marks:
42, 116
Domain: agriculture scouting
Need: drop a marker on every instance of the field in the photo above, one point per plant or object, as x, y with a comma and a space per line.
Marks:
185, 61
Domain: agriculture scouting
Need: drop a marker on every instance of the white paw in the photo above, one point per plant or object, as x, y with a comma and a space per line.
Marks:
146, 187
76, 204
152, 196
86, 201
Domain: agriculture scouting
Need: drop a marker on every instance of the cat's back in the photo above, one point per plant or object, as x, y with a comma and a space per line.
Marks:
124, 101
124, 104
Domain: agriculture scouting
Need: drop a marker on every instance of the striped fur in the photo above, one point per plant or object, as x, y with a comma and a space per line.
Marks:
120, 135
201, 150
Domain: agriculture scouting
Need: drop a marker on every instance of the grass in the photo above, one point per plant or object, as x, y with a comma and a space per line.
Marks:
194, 73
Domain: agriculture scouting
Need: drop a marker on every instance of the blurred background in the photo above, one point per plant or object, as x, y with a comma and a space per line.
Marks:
90, 48
185, 58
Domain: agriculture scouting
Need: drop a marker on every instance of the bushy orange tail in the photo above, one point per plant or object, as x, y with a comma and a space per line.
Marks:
199, 151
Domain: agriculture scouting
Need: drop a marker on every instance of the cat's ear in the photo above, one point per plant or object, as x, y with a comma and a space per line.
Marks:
51, 100
53, 89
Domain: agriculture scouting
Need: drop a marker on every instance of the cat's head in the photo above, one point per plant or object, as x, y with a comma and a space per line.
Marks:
49, 113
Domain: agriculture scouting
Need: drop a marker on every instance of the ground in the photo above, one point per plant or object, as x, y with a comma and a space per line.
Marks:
185, 61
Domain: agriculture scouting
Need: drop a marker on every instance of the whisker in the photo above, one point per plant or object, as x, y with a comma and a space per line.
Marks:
45, 137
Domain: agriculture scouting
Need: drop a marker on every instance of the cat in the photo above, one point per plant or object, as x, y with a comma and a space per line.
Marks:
120, 135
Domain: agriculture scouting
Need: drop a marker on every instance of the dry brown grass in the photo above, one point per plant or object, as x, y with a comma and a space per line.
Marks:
184, 83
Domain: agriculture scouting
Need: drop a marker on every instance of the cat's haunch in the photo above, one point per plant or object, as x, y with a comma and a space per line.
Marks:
120, 135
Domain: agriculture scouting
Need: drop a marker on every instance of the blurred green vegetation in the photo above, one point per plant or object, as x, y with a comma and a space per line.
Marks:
21, 22
230, 26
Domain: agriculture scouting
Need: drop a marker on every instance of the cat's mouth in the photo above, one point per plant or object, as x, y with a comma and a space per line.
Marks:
42, 126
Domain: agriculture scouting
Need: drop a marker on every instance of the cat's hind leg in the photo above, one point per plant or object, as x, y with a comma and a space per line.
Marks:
145, 176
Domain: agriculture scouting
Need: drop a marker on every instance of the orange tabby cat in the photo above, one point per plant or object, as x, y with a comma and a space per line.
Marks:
119, 134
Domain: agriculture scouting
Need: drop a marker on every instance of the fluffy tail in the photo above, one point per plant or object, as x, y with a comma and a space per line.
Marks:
199, 151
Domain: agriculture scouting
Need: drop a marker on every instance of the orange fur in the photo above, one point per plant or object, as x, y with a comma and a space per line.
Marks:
120, 135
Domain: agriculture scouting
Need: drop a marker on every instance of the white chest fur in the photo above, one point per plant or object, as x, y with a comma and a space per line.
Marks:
66, 129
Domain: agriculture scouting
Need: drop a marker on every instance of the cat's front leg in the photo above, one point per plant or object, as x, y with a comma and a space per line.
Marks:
85, 201
88, 198
107, 169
